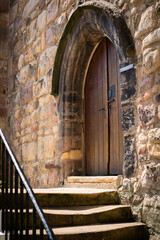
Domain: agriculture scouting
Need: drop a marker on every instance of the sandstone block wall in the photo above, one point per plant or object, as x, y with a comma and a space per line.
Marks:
33, 122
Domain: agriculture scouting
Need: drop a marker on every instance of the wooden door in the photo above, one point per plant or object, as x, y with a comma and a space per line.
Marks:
102, 120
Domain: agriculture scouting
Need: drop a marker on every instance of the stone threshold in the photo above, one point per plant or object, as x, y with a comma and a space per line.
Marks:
94, 179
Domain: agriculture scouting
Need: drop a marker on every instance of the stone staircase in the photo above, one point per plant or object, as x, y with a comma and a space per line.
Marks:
89, 213
84, 213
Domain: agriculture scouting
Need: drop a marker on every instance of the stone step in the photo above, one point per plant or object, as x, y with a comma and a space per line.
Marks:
100, 182
2, 236
80, 215
119, 231
85, 215
61, 197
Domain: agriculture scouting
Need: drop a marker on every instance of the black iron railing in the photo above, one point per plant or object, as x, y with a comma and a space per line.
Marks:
22, 217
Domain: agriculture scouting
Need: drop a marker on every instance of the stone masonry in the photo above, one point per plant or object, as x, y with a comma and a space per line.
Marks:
31, 117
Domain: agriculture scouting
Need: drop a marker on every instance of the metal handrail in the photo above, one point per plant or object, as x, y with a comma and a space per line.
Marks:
6, 154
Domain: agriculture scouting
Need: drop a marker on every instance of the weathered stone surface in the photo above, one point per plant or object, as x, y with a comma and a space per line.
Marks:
147, 114
129, 156
53, 179
45, 147
52, 10
151, 212
46, 60
54, 32
138, 46
29, 151
154, 135
128, 83
151, 59
147, 23
126, 191
41, 21
29, 109
40, 87
26, 93
13, 13
36, 46
75, 154
153, 37
128, 119
22, 76
28, 55
21, 61
154, 151
146, 84
29, 7
65, 4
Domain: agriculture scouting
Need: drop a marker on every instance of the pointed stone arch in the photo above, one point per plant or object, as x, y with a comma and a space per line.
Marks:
88, 25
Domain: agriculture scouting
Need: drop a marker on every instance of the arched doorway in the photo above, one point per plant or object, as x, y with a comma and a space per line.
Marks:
103, 134
88, 26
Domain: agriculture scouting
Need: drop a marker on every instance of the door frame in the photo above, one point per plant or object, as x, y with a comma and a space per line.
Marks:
118, 108
88, 24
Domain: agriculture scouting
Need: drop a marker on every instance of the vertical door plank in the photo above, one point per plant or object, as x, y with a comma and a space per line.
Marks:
114, 117
96, 127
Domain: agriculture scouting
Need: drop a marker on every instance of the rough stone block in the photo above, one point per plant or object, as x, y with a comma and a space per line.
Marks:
34, 117
54, 32
154, 151
29, 8
154, 135
29, 109
151, 59
53, 178
147, 114
147, 23
29, 151
40, 88
41, 21
52, 11
28, 55
36, 47
65, 4
45, 147
46, 60
22, 76
26, 94
128, 83
151, 213
153, 37
146, 84
129, 156
128, 119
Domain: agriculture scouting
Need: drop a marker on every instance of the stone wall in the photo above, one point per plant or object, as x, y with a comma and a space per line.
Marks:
4, 22
35, 28
34, 31
142, 190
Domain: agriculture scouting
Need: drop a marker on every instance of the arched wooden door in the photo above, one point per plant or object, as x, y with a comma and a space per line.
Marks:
103, 136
